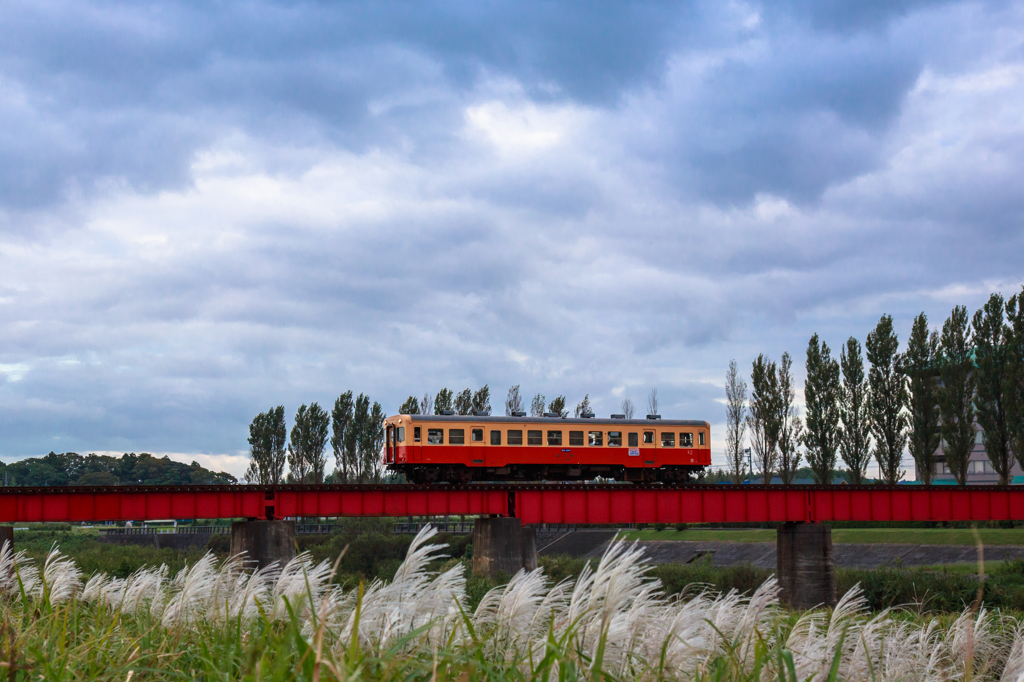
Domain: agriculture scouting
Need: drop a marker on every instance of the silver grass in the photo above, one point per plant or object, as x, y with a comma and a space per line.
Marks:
616, 606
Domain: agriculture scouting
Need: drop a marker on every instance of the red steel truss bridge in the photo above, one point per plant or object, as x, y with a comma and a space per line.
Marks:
530, 503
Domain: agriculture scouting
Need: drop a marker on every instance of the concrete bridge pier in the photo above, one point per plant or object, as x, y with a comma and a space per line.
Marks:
502, 545
805, 568
264, 542
7, 535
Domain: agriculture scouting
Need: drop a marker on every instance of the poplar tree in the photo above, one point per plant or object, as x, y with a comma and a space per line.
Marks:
410, 406
921, 366
482, 400
735, 411
1015, 374
557, 406
371, 443
307, 443
821, 394
443, 401
514, 401
359, 437
341, 430
956, 399
992, 340
464, 402
888, 399
583, 406
538, 406
427, 404
628, 408
787, 424
855, 412
764, 435
267, 437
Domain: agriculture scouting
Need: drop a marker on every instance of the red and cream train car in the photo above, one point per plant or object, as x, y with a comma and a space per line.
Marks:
459, 449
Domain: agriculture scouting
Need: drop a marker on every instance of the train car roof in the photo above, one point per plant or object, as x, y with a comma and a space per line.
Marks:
554, 420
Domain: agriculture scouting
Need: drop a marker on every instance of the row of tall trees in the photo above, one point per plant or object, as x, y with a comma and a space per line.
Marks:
933, 395
469, 402
354, 428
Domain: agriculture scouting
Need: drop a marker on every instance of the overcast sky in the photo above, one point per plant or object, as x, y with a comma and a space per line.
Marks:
210, 209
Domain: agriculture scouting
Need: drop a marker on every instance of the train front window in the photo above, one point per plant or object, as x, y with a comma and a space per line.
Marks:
554, 437
615, 438
702, 438
401, 434
456, 436
686, 440
668, 440
478, 435
634, 440
596, 438
416, 434
435, 436
515, 437
576, 438
496, 437
535, 438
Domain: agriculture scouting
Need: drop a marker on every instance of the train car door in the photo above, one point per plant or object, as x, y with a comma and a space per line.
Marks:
649, 449
477, 448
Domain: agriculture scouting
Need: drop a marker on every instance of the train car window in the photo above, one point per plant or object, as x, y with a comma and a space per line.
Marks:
634, 440
435, 436
686, 440
668, 439
456, 436
554, 437
401, 434
496, 437
515, 437
535, 438
702, 438
649, 437
614, 438
416, 433
575, 438
596, 438
478, 435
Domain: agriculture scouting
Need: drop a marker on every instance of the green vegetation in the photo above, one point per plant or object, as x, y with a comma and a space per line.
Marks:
70, 468
911, 536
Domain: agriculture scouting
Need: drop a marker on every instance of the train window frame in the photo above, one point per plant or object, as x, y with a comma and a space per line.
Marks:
576, 438
648, 437
595, 439
435, 436
476, 432
633, 439
686, 439
555, 438
517, 438
535, 434
495, 437
454, 434
668, 439
701, 437
400, 434
416, 434
615, 439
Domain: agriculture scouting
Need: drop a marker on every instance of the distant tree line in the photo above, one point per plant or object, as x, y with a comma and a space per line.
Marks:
936, 393
71, 468
354, 428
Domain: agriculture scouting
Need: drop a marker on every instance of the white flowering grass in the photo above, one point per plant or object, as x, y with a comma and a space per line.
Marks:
220, 619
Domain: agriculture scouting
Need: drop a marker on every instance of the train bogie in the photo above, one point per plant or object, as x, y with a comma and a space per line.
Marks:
461, 449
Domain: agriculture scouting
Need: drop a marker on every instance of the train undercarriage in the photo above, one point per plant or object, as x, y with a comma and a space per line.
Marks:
460, 473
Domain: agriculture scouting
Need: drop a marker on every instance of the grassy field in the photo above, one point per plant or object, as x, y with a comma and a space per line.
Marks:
911, 536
